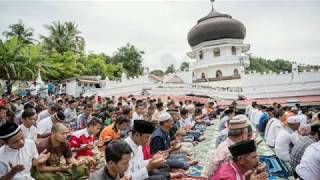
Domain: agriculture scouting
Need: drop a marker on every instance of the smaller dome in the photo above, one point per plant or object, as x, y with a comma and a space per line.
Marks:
216, 26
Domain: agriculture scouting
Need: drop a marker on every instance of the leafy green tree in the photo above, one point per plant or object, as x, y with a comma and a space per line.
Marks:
24, 34
184, 66
62, 66
95, 64
262, 65
158, 72
63, 37
131, 59
10, 58
170, 69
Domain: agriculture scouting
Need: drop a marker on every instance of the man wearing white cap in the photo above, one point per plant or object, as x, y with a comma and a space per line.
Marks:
161, 141
287, 138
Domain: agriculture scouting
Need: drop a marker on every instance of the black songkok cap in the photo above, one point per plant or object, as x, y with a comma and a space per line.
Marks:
243, 147
199, 104
315, 127
143, 127
172, 110
9, 130
60, 116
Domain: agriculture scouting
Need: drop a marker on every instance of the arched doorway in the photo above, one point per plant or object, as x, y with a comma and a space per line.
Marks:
203, 76
235, 72
218, 74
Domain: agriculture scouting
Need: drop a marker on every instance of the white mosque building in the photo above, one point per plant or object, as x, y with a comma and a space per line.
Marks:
219, 56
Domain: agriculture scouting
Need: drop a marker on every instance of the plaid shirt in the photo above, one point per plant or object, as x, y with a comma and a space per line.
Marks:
298, 150
220, 156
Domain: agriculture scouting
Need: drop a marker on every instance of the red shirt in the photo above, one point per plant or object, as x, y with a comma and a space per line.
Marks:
79, 139
228, 171
147, 153
3, 102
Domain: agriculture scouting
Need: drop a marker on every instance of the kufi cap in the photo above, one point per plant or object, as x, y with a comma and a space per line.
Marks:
315, 127
164, 117
294, 119
237, 124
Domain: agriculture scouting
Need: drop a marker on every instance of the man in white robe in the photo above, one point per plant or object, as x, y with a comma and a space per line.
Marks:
18, 155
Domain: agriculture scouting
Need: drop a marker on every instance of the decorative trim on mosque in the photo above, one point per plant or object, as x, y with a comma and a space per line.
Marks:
281, 72
217, 79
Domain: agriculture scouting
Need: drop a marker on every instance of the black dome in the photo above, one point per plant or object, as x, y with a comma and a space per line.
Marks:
216, 26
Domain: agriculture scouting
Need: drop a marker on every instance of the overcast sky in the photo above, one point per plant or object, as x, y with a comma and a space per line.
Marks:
275, 29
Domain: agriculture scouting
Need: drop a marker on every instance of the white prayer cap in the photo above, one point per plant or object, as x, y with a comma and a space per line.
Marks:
240, 117
294, 119
164, 117
294, 108
190, 106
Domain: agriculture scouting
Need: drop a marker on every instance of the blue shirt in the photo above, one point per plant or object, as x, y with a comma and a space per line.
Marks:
263, 122
50, 87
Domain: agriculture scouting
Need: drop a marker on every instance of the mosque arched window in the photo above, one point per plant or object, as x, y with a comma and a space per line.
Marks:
216, 52
233, 50
218, 74
200, 55
203, 76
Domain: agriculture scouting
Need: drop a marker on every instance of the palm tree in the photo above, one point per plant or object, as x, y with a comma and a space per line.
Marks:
35, 61
10, 57
24, 34
63, 37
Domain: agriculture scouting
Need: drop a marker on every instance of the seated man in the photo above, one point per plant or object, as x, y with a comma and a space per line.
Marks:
112, 132
57, 146
244, 160
309, 168
82, 141
44, 127
18, 155
301, 145
27, 127
287, 138
138, 167
117, 155
160, 141
238, 132
187, 124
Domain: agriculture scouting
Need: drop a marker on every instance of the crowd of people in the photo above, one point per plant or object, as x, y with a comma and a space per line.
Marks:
113, 138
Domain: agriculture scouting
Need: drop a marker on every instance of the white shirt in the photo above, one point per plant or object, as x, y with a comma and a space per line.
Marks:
29, 133
71, 115
45, 126
252, 113
248, 110
186, 122
286, 138
303, 120
34, 89
273, 128
42, 115
309, 167
136, 116
257, 116
23, 156
137, 166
